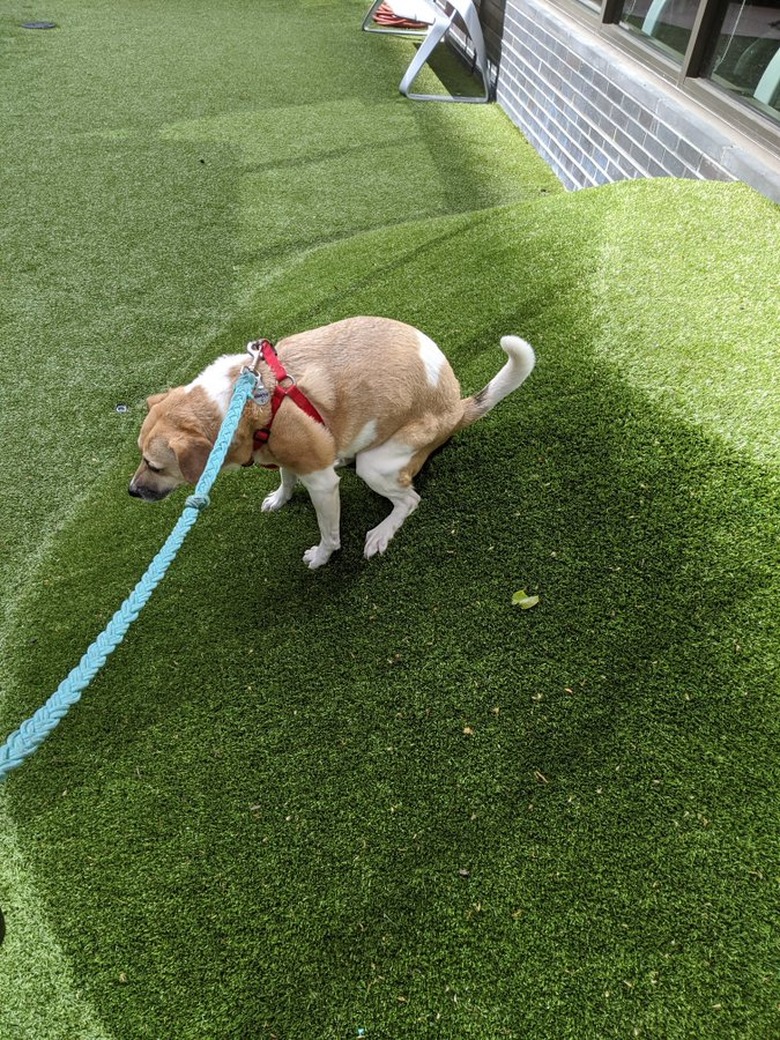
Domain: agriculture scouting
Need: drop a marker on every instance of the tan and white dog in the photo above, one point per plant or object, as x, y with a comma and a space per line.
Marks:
384, 394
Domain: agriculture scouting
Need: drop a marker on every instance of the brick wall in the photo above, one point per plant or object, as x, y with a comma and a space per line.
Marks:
596, 116
588, 110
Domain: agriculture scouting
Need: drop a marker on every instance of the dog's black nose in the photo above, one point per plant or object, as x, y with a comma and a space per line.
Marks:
133, 490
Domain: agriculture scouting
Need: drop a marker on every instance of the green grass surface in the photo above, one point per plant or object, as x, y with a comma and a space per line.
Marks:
378, 797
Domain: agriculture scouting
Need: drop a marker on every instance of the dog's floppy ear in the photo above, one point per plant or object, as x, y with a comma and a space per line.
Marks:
191, 455
155, 399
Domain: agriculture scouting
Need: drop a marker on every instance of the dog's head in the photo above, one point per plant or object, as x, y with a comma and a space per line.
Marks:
174, 444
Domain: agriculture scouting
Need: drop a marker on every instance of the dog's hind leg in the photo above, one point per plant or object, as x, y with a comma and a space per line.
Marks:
386, 469
283, 493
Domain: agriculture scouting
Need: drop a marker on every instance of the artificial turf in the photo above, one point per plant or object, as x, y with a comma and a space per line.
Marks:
379, 797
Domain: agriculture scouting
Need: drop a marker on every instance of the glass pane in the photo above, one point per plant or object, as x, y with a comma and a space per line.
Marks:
667, 23
746, 53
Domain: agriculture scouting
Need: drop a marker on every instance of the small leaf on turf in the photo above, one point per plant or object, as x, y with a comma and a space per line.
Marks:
523, 600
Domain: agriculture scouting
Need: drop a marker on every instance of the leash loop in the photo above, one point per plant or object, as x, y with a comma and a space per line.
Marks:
197, 502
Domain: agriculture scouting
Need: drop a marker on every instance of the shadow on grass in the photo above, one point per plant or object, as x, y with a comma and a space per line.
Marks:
448, 74
380, 797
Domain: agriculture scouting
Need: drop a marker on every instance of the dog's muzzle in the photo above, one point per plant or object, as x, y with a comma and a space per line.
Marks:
146, 493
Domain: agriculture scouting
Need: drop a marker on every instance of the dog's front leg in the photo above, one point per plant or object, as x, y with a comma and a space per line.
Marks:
323, 488
282, 494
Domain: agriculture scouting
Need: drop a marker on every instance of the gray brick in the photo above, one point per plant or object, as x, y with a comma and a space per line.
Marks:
654, 167
614, 173
600, 83
621, 139
667, 136
689, 154
638, 149
673, 166
601, 159
712, 171
647, 118
616, 94
631, 109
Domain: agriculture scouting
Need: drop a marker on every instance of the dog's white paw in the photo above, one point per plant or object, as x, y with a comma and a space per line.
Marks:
317, 556
274, 501
378, 539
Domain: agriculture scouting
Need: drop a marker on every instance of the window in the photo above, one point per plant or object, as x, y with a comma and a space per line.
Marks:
733, 43
745, 53
667, 23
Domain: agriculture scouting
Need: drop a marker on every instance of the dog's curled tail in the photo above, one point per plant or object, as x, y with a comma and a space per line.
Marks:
512, 375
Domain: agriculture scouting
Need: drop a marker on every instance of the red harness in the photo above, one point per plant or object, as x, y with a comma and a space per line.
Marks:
265, 350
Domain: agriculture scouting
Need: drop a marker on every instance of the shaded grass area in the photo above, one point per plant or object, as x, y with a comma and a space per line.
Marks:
377, 796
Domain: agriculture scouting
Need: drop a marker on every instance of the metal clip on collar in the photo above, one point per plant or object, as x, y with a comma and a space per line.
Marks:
260, 394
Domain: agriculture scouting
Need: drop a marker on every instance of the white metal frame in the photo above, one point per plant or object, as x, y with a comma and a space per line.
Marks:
440, 16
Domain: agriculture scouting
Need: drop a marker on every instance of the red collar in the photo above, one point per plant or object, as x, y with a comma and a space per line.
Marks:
265, 350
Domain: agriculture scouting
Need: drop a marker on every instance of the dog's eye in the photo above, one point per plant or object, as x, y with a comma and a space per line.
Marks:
151, 468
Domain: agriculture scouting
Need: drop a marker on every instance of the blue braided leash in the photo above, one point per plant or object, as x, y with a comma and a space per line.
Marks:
32, 733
